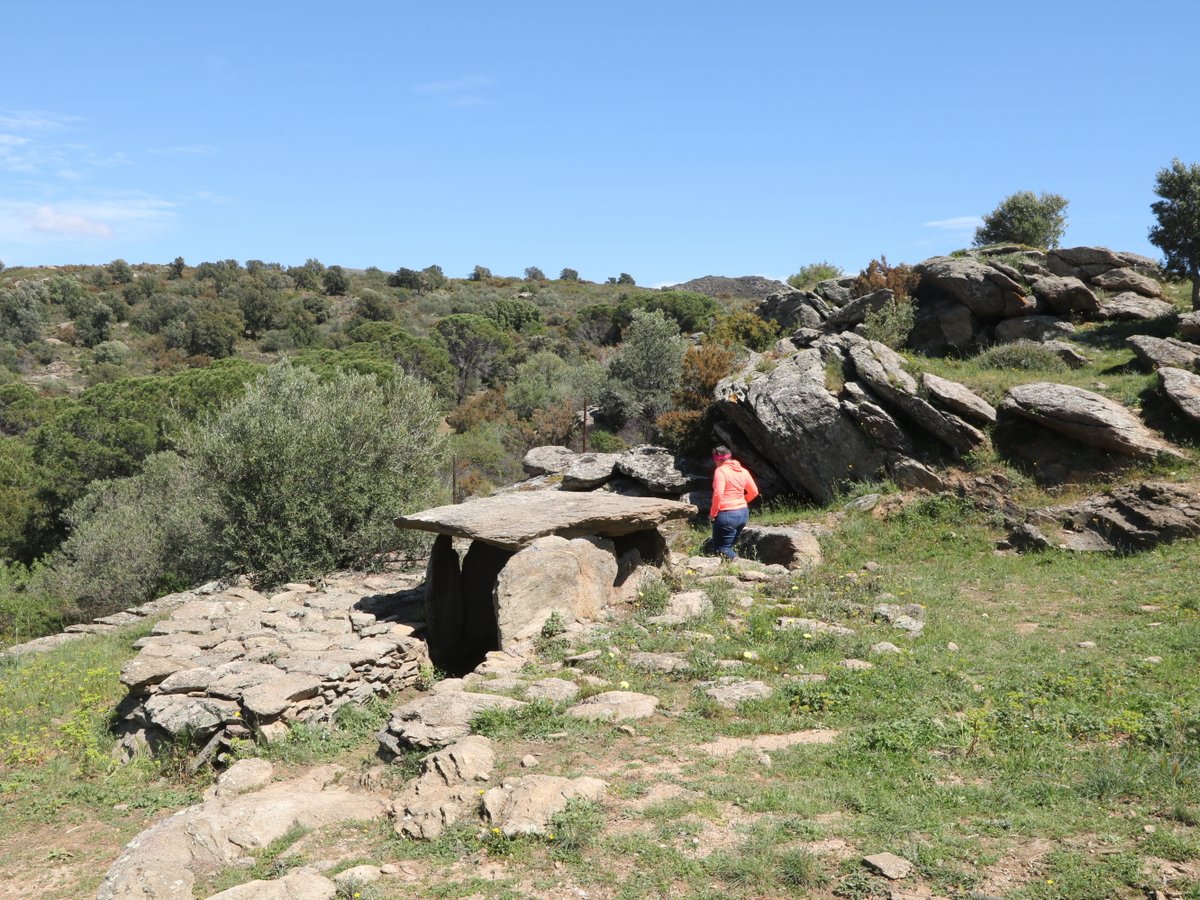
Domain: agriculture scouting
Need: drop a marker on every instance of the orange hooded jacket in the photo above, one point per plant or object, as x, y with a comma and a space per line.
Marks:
733, 487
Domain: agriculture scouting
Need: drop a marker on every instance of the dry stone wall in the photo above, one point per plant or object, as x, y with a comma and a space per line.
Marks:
237, 661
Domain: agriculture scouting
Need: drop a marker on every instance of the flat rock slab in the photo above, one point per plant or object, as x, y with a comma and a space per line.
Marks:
438, 719
735, 691
1086, 417
162, 861
526, 805
811, 626
1133, 306
889, 865
730, 746
1154, 353
303, 884
517, 520
615, 706
1183, 389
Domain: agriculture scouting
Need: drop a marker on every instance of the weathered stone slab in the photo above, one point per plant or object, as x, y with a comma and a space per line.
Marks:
517, 520
438, 719
1155, 352
1086, 417
550, 460
958, 399
527, 805
615, 706
1183, 389
1134, 306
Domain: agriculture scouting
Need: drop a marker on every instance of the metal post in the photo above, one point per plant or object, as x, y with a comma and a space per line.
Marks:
585, 423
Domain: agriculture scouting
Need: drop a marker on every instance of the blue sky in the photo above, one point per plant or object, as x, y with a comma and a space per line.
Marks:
664, 139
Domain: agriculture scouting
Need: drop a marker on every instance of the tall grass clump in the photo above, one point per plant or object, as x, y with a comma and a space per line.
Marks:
1024, 355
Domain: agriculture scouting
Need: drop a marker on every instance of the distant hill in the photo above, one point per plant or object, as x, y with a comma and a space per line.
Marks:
754, 286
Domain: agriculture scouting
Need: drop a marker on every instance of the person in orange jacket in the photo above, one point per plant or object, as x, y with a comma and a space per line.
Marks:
733, 489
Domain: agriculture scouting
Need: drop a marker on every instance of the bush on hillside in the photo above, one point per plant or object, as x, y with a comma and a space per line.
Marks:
813, 274
1025, 218
136, 538
309, 474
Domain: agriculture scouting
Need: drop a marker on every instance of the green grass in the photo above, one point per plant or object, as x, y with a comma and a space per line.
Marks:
951, 759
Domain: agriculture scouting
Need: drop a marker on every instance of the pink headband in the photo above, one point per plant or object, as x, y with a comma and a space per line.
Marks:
721, 457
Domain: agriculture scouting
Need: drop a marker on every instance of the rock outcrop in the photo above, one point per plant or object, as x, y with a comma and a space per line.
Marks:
1086, 417
239, 816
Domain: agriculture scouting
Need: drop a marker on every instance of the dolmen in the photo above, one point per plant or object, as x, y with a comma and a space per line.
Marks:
501, 566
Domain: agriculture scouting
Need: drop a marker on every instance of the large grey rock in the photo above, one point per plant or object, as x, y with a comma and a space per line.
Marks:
437, 719
516, 521
555, 690
196, 716
855, 312
790, 415
1065, 295
589, 471
909, 474
1183, 389
730, 692
1086, 417
660, 470
984, 290
662, 663
527, 804
615, 706
574, 578
875, 422
942, 325
446, 791
884, 371
1189, 326
1134, 307
1136, 517
795, 547
269, 699
301, 884
1084, 262
958, 399
1154, 352
792, 309
162, 862
1032, 328
548, 460
1120, 280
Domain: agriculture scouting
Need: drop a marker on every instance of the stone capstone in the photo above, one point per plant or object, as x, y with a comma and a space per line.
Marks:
589, 471
517, 520
660, 470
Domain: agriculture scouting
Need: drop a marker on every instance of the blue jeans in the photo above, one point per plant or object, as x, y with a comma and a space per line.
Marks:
726, 527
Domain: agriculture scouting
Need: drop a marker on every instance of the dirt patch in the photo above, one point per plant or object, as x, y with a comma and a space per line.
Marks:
1015, 868
729, 746
1026, 627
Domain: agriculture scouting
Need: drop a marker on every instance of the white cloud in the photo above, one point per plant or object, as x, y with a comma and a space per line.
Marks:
50, 221
35, 120
125, 217
12, 140
958, 223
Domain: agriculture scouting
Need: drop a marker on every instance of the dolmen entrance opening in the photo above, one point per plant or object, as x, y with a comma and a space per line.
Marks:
530, 555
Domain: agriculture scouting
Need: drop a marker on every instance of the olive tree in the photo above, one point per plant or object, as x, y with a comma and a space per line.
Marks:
1025, 218
308, 474
646, 368
1177, 233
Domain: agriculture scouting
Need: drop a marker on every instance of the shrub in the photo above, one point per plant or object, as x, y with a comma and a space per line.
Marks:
900, 279
811, 275
135, 538
1023, 218
308, 475
1022, 355
743, 329
891, 324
